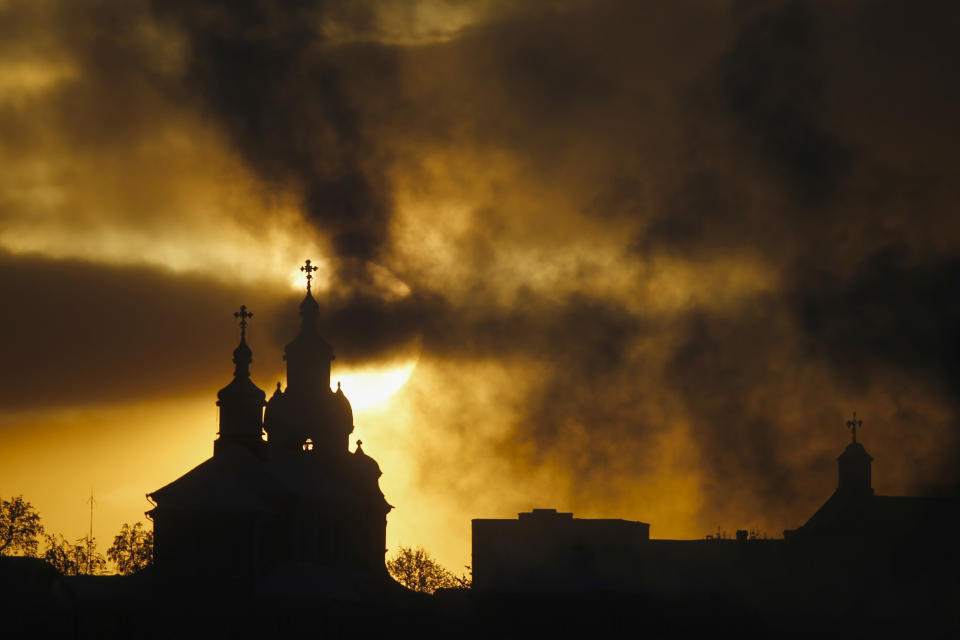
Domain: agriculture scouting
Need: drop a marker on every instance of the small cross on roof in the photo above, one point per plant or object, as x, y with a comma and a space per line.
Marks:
853, 424
243, 314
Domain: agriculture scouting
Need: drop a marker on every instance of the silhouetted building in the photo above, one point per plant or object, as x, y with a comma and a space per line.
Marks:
546, 550
297, 498
889, 533
856, 540
549, 552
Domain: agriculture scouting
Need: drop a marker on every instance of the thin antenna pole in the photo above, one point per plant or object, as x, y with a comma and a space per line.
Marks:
91, 512
89, 545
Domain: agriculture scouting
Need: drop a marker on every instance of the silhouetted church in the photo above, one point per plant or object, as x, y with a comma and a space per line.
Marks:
297, 498
894, 528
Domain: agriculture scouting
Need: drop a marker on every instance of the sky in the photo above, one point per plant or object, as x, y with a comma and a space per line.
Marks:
627, 259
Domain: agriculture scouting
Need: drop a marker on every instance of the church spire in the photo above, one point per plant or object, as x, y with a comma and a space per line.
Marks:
242, 356
854, 465
309, 355
241, 402
309, 309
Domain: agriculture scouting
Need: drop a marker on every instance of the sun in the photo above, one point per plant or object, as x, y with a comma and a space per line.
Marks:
371, 386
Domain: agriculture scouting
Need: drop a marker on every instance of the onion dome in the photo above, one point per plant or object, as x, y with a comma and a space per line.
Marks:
241, 384
367, 465
343, 412
241, 402
242, 357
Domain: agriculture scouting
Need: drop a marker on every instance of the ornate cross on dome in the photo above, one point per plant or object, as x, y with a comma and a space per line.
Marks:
243, 314
309, 269
853, 424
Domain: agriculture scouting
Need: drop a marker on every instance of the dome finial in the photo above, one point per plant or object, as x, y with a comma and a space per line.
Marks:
309, 269
242, 356
243, 314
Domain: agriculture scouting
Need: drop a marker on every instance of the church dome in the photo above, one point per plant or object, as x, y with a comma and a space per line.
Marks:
241, 402
366, 465
242, 355
242, 389
341, 406
855, 451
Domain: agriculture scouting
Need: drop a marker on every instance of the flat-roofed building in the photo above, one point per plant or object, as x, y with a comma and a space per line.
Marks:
546, 550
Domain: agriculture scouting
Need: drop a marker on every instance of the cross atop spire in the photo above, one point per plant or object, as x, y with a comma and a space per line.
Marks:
309, 269
853, 424
243, 314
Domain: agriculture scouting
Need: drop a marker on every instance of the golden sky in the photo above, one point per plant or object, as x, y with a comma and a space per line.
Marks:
636, 260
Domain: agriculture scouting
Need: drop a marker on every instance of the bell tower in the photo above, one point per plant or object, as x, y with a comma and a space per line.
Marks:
241, 402
309, 355
854, 465
308, 415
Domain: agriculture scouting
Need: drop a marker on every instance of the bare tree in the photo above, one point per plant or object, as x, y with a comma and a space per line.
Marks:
20, 527
132, 549
417, 570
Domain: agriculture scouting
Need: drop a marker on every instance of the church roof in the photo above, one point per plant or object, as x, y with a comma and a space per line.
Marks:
855, 450
236, 479
882, 516
233, 480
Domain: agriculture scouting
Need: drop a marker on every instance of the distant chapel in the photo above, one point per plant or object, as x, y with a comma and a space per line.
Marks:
262, 506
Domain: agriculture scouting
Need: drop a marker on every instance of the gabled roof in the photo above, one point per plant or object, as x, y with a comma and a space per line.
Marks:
233, 480
883, 517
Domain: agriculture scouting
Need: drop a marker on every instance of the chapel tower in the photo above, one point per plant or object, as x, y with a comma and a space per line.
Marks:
241, 402
854, 466
308, 415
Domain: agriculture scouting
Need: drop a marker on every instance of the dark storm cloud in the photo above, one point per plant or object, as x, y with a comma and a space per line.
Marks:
772, 79
78, 333
892, 315
760, 167
579, 331
264, 73
889, 313
726, 370
748, 160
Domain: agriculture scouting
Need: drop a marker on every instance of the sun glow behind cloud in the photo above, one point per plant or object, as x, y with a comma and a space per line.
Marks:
371, 386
